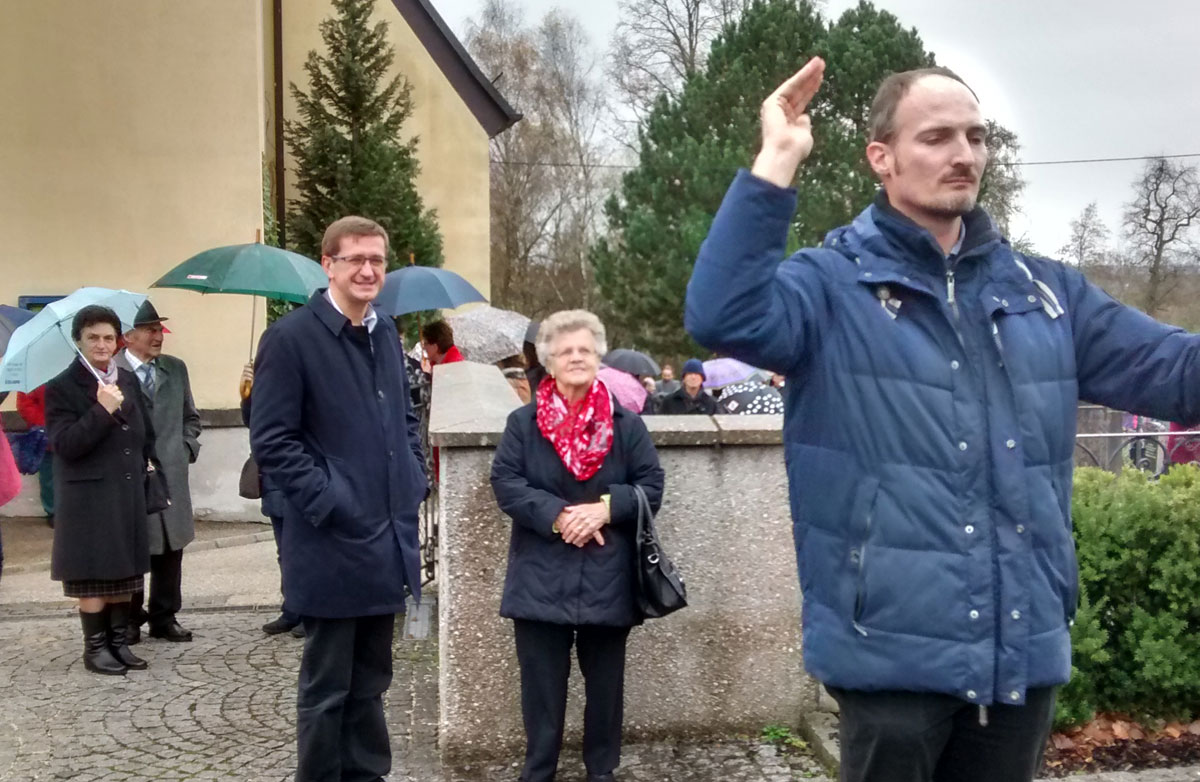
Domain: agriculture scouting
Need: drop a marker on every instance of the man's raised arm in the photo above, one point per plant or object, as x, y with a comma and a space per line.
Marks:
741, 301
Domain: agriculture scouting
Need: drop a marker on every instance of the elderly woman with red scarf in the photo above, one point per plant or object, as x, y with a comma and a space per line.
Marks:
565, 473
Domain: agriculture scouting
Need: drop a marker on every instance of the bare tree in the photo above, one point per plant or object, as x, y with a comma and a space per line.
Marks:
659, 44
1159, 228
575, 100
545, 179
1002, 185
1087, 246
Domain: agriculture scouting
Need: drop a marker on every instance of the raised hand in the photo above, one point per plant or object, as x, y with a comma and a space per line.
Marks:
109, 397
786, 127
247, 381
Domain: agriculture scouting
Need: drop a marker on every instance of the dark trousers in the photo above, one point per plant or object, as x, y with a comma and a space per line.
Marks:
166, 590
291, 617
544, 655
46, 483
341, 732
925, 737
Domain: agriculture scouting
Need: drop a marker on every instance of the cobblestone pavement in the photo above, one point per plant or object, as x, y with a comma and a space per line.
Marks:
724, 761
223, 708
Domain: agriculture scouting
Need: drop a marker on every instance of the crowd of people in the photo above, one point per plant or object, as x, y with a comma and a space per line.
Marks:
933, 376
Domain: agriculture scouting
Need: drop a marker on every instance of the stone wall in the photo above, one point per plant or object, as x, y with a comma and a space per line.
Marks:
729, 663
213, 479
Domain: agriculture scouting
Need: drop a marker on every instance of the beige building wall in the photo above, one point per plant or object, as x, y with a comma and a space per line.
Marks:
453, 147
131, 139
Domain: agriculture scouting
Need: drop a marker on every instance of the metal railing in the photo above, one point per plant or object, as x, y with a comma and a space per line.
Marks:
1152, 452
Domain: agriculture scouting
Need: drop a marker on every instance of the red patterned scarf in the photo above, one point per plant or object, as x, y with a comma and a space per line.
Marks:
582, 432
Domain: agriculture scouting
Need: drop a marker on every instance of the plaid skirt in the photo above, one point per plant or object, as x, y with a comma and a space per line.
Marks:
98, 587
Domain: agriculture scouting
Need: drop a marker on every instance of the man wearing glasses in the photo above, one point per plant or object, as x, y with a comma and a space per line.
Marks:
332, 429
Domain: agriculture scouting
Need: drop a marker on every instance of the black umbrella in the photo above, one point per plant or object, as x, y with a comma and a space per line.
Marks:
10, 318
634, 362
750, 398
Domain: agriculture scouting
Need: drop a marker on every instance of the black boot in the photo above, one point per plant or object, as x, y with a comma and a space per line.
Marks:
97, 657
118, 638
137, 618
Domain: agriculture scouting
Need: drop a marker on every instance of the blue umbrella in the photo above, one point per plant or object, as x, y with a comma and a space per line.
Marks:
42, 347
417, 288
10, 318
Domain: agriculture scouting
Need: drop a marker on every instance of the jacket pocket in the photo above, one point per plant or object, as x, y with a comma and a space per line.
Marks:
862, 516
1071, 593
346, 507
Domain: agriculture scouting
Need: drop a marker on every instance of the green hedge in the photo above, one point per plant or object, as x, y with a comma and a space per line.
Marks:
1137, 633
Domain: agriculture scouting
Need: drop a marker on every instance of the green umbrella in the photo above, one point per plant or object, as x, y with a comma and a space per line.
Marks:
254, 269
251, 269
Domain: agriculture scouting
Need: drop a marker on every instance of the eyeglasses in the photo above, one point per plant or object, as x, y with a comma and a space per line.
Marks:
377, 262
581, 352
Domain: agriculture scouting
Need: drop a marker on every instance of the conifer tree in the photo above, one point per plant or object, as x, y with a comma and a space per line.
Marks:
350, 150
691, 146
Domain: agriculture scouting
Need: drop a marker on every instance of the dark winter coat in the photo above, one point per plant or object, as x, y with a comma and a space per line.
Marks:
552, 581
99, 478
177, 443
679, 403
929, 431
332, 429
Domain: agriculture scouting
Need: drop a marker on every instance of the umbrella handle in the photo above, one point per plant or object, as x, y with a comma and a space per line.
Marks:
253, 321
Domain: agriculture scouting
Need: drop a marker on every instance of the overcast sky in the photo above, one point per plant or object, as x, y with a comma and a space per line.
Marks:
1077, 79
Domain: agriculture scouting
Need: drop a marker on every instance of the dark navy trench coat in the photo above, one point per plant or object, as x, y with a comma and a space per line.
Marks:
332, 429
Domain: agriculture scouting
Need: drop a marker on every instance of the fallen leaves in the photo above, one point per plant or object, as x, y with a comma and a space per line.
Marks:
1116, 742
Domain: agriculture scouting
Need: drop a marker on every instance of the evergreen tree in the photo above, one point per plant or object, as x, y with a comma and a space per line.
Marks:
691, 147
348, 147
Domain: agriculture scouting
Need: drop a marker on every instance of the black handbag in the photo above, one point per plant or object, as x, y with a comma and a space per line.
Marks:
158, 496
249, 482
660, 588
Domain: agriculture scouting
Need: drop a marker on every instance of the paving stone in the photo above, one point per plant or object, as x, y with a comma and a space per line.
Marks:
223, 708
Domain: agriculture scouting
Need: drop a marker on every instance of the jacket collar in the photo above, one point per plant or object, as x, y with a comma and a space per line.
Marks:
320, 306
82, 375
122, 359
882, 239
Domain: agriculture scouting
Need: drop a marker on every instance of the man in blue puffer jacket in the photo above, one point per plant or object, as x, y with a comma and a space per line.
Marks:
933, 378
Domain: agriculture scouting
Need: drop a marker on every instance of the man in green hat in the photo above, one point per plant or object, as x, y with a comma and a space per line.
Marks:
168, 396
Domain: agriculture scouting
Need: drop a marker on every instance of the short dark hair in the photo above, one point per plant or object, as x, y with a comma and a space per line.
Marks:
529, 350
351, 225
882, 122
90, 316
438, 333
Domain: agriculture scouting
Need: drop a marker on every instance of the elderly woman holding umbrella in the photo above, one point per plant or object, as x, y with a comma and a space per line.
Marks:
565, 472
103, 442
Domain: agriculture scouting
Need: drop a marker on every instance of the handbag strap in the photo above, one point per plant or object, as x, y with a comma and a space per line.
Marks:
645, 528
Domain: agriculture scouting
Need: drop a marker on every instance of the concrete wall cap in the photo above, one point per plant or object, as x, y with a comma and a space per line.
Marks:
749, 429
470, 404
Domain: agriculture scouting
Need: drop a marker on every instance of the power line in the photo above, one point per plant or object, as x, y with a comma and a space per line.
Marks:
1073, 161
1100, 160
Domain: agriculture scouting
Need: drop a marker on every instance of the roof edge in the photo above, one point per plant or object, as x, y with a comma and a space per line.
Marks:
491, 110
